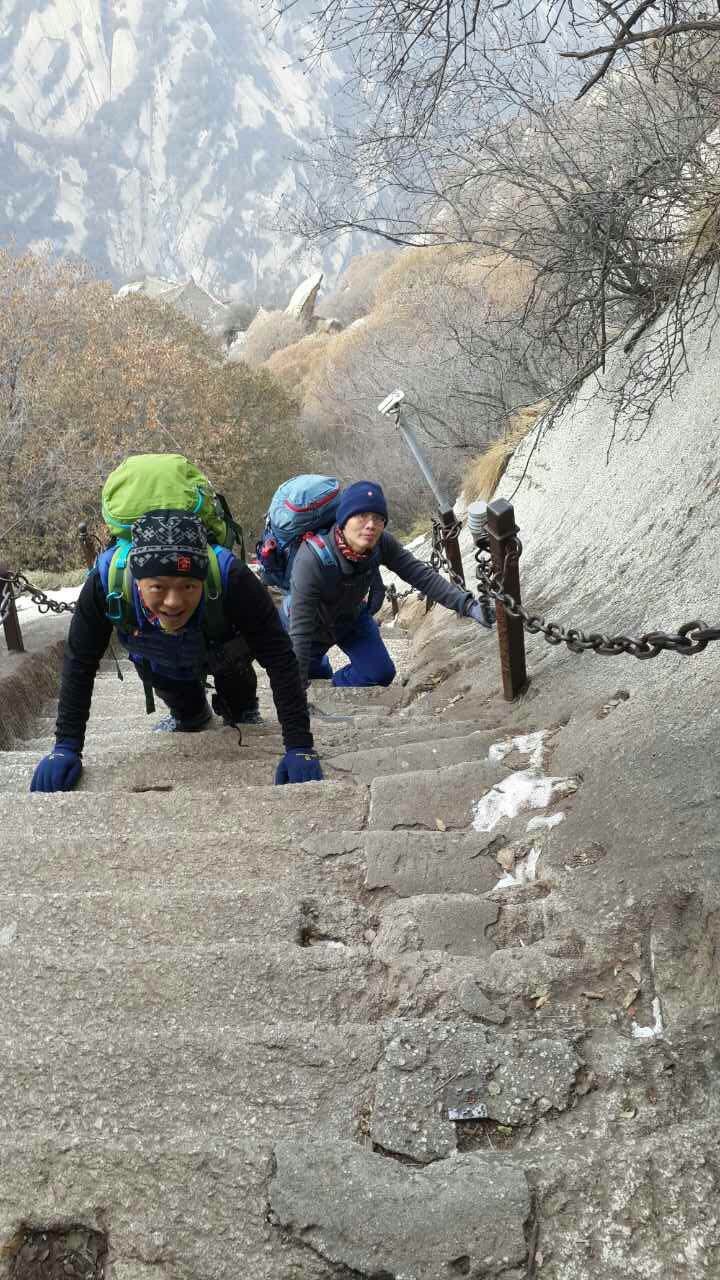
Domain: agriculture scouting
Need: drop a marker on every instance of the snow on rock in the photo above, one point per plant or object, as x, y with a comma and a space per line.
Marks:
521, 790
527, 744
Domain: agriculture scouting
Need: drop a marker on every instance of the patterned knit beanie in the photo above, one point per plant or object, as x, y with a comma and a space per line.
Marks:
169, 544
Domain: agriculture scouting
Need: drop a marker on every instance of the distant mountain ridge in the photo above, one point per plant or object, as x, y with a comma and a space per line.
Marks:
156, 138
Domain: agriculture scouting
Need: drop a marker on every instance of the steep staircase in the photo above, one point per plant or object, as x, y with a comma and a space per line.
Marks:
330, 1030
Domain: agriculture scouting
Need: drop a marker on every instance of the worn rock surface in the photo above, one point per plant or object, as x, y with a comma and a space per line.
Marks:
458, 1217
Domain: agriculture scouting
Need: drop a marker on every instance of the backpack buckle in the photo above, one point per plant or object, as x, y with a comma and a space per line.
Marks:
114, 610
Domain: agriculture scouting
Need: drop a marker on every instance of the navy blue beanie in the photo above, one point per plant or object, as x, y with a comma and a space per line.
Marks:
365, 495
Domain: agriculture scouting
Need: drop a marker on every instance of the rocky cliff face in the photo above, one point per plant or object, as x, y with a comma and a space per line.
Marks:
158, 138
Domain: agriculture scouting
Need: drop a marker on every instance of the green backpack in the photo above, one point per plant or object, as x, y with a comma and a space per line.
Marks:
165, 482
147, 482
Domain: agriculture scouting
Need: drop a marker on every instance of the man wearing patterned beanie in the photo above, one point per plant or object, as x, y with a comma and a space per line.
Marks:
331, 604
166, 641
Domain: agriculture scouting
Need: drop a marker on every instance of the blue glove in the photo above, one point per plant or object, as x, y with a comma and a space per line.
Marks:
482, 612
298, 765
60, 770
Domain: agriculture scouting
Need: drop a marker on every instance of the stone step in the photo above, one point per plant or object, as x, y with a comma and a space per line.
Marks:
140, 759
112, 698
278, 1078
433, 799
138, 730
154, 987
288, 813
181, 860
194, 1208
151, 916
362, 728
167, 762
398, 758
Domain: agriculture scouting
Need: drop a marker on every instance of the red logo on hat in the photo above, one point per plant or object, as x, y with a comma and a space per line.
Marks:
184, 564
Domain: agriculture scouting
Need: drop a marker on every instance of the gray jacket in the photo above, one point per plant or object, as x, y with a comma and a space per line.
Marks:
326, 599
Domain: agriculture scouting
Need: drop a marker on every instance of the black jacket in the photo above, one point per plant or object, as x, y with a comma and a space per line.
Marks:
325, 599
250, 613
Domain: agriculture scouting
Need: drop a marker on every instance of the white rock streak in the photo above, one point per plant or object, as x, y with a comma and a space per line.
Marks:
656, 1031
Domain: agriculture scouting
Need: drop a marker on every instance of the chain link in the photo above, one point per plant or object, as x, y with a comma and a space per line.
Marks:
692, 637
438, 559
6, 599
17, 585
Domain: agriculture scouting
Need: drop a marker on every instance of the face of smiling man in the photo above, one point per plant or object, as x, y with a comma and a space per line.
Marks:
172, 600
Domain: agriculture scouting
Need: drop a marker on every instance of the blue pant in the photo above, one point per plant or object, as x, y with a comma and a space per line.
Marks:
370, 663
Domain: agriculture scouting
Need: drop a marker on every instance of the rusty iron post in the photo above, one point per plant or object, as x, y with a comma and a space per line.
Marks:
11, 621
452, 547
89, 544
502, 531
393, 598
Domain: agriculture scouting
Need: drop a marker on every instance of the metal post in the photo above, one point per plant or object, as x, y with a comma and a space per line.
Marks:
452, 547
89, 544
392, 406
8, 611
502, 532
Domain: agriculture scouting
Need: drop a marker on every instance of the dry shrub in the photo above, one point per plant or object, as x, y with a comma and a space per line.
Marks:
703, 237
484, 473
354, 295
295, 365
269, 332
413, 268
505, 282
86, 378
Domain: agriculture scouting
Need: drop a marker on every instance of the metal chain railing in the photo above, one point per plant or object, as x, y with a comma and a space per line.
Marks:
19, 585
692, 637
6, 599
438, 558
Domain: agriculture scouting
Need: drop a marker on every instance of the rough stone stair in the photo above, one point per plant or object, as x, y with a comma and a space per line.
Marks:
334, 1030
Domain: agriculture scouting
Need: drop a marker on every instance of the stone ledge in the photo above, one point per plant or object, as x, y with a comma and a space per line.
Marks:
28, 679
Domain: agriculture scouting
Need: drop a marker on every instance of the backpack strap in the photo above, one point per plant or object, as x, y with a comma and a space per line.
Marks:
117, 580
219, 562
324, 553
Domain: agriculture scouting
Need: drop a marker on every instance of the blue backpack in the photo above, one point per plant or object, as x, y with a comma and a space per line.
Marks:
300, 508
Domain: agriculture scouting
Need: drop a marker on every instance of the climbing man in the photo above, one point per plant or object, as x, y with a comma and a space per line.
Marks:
165, 630
329, 588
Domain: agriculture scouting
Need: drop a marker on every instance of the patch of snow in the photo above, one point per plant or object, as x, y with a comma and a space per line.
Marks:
545, 823
7, 935
656, 1031
527, 744
524, 789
